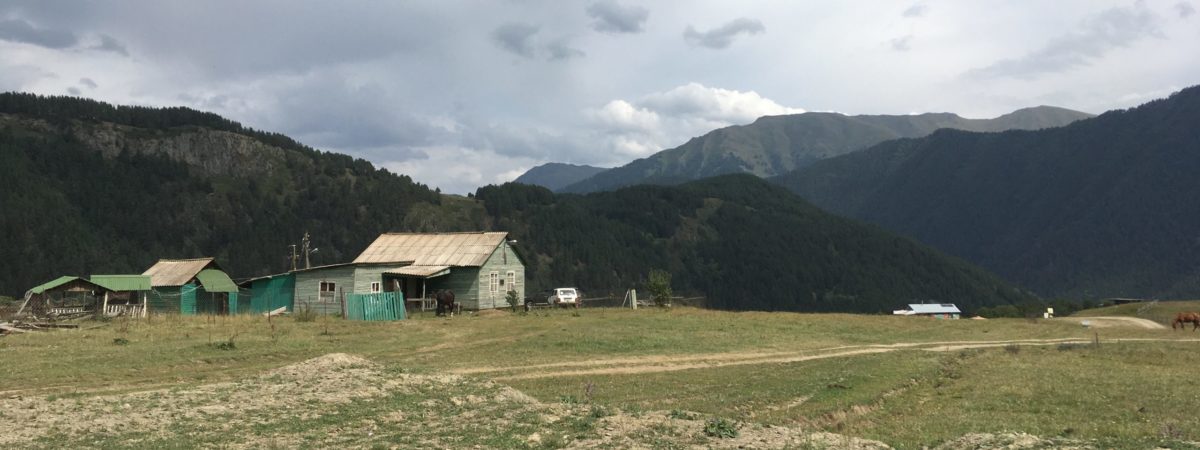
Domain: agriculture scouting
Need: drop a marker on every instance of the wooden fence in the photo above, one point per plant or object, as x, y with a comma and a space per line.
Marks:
377, 306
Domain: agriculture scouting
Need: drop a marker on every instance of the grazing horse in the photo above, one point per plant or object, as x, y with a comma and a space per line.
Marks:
1183, 318
445, 302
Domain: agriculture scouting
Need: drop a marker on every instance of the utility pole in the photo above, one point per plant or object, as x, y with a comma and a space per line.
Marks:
294, 257
304, 248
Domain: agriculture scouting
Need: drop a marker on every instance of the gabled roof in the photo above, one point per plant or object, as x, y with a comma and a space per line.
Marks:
64, 281
176, 272
433, 249
925, 308
122, 283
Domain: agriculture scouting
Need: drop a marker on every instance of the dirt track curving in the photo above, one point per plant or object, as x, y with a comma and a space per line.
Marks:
1116, 321
661, 363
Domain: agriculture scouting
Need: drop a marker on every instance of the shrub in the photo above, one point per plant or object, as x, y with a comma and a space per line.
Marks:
659, 286
305, 313
512, 300
721, 428
1012, 349
120, 341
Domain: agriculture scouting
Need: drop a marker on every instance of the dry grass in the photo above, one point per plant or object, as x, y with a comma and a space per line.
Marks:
755, 368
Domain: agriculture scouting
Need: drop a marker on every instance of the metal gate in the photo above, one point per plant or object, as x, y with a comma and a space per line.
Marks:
377, 306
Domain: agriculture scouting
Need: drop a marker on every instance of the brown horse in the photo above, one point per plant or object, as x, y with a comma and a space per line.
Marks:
1183, 318
445, 302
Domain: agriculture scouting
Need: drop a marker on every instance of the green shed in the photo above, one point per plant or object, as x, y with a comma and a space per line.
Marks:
191, 286
271, 292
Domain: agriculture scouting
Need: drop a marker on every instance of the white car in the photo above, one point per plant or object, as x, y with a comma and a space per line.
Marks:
563, 297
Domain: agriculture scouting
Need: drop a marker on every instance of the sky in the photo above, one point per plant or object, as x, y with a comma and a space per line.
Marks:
459, 94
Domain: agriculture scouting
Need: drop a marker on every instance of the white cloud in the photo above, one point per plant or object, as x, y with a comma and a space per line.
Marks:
667, 119
622, 115
715, 104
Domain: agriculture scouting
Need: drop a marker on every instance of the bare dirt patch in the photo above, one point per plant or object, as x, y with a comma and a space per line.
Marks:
341, 400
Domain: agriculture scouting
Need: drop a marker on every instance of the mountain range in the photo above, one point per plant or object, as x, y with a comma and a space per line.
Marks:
1103, 207
87, 187
774, 145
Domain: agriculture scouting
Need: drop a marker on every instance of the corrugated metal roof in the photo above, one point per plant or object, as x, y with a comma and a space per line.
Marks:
216, 280
122, 283
420, 271
175, 272
52, 284
433, 249
924, 308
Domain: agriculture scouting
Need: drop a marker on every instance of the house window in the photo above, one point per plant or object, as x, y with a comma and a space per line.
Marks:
328, 286
374, 286
495, 282
512, 280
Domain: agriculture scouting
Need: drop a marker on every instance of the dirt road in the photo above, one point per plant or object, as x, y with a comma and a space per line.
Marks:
1116, 321
661, 363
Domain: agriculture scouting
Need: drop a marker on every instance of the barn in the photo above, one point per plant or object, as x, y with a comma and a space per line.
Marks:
191, 286
480, 267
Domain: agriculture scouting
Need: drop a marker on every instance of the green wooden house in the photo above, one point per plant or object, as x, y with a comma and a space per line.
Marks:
191, 286
480, 267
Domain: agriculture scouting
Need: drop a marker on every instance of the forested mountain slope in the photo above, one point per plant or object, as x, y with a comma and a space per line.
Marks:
1100, 208
86, 187
740, 241
775, 145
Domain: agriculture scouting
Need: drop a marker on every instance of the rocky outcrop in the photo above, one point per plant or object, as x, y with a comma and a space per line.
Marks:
206, 151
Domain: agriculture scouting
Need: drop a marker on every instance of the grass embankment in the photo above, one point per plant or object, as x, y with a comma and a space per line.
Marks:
834, 372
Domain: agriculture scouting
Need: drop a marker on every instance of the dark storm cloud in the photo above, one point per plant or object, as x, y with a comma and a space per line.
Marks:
17, 30
1096, 36
88, 82
74, 91
1184, 9
612, 17
902, 43
561, 50
111, 44
328, 111
721, 37
917, 10
516, 38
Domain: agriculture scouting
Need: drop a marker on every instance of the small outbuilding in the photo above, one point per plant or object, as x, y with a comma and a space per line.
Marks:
65, 295
128, 294
191, 286
934, 310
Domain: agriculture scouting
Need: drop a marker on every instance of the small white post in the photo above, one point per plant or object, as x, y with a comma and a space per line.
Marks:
104, 310
633, 297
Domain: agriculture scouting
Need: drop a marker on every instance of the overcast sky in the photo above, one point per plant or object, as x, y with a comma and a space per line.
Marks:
462, 94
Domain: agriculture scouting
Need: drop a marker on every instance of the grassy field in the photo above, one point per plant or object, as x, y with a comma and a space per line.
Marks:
907, 382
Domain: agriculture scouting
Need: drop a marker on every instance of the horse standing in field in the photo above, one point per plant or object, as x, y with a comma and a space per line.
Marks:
1183, 318
445, 302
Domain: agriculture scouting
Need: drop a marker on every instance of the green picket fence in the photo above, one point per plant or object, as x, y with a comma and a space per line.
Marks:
378, 306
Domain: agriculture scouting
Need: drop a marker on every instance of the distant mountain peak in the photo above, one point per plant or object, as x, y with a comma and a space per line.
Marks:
556, 176
773, 145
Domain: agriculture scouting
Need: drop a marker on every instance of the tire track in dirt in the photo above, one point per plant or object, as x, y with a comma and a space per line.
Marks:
660, 363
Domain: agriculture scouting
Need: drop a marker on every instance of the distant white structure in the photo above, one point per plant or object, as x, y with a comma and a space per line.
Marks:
934, 310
